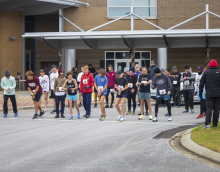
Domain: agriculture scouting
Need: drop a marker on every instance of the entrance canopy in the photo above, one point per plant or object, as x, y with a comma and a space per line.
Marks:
159, 38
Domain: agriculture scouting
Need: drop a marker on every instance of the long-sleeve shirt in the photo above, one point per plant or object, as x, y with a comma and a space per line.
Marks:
188, 83
8, 83
53, 76
44, 82
197, 81
162, 83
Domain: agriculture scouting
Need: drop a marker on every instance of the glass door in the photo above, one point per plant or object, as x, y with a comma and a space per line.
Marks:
121, 64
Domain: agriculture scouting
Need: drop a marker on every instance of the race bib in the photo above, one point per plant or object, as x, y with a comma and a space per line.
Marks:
186, 82
32, 85
60, 89
100, 88
33, 91
120, 87
54, 77
43, 85
73, 91
162, 92
112, 90
174, 82
144, 82
130, 85
85, 81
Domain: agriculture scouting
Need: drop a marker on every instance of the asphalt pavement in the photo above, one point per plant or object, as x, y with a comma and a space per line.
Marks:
54, 145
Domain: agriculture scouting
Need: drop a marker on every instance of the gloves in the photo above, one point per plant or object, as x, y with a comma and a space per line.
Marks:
200, 96
87, 87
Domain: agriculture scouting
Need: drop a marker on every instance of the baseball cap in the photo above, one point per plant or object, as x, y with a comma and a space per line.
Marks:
152, 62
118, 72
199, 68
41, 70
174, 68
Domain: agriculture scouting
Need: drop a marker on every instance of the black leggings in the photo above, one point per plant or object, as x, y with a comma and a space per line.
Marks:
167, 102
133, 97
146, 106
202, 106
113, 95
13, 101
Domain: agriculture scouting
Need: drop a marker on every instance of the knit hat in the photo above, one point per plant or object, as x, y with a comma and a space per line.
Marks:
131, 69
7, 73
126, 69
60, 70
213, 63
187, 67
157, 70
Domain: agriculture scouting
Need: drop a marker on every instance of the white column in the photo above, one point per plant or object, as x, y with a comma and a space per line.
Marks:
23, 52
162, 58
70, 59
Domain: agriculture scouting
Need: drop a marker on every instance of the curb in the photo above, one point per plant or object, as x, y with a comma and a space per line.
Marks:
187, 143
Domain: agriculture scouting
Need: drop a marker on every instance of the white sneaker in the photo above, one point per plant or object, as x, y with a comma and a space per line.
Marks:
169, 118
120, 116
155, 119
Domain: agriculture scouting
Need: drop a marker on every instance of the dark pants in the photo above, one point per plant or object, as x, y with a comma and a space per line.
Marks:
87, 103
13, 101
176, 95
212, 103
133, 97
59, 99
188, 97
113, 95
167, 102
202, 106
146, 106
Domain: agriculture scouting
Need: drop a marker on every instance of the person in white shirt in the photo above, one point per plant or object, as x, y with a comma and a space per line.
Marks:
53, 76
44, 82
78, 81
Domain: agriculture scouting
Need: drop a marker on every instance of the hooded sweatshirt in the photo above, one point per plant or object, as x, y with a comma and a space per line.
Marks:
176, 79
8, 83
58, 84
111, 78
151, 70
188, 84
87, 80
162, 83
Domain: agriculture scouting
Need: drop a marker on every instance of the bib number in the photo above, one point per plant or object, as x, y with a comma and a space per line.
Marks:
100, 88
33, 91
85, 81
186, 82
44, 85
130, 85
162, 92
60, 89
120, 87
174, 82
112, 90
144, 82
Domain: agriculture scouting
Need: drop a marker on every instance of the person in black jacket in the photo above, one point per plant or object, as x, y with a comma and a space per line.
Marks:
176, 86
167, 71
132, 90
91, 69
95, 91
211, 80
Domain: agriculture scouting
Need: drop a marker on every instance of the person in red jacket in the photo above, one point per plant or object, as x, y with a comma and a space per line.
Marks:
111, 75
86, 88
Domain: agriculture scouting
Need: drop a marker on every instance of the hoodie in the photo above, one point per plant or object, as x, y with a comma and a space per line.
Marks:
8, 83
188, 84
162, 82
87, 80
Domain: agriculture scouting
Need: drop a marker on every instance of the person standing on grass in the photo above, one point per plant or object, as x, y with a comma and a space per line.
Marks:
44, 82
95, 91
8, 84
101, 84
71, 86
35, 90
111, 75
78, 82
121, 84
211, 81
53, 76
86, 87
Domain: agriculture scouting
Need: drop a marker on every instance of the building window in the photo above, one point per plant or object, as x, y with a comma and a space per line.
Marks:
143, 8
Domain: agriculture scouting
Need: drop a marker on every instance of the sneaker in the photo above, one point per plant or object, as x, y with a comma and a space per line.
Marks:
71, 118
174, 106
102, 119
16, 114
155, 119
167, 114
139, 104
57, 116
105, 117
62, 116
120, 116
150, 117
53, 111
128, 113
207, 127
87, 116
84, 116
164, 105
204, 114
141, 117
185, 111
95, 106
200, 116
125, 109
170, 118
78, 116
107, 106
160, 105
139, 113
146, 113
111, 106
122, 119
80, 105
41, 113
192, 111
133, 113
179, 106
215, 126
35, 116
5, 115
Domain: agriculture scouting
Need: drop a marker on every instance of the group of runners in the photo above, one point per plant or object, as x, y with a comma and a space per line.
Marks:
134, 84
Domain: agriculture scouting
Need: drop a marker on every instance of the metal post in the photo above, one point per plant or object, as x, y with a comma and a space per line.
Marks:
61, 29
132, 19
23, 52
207, 16
162, 58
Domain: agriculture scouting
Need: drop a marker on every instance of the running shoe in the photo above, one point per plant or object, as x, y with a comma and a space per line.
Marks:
150, 117
35, 116
164, 105
200, 116
122, 119
78, 116
57, 116
170, 118
62, 116
5, 115
53, 111
160, 105
174, 106
120, 116
192, 110
16, 114
207, 127
204, 114
102, 119
95, 106
141, 117
167, 114
107, 106
71, 118
133, 113
111, 106
185, 111
41, 113
128, 113
105, 117
87, 116
179, 106
155, 119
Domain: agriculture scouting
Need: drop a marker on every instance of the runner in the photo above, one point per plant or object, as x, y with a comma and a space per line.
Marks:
151, 69
144, 82
132, 90
78, 82
203, 99
95, 91
125, 74
121, 84
137, 72
162, 102
111, 75
188, 88
60, 93
71, 86
167, 71
53, 76
176, 86
35, 90
101, 84
164, 87
44, 82
8, 84
86, 84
